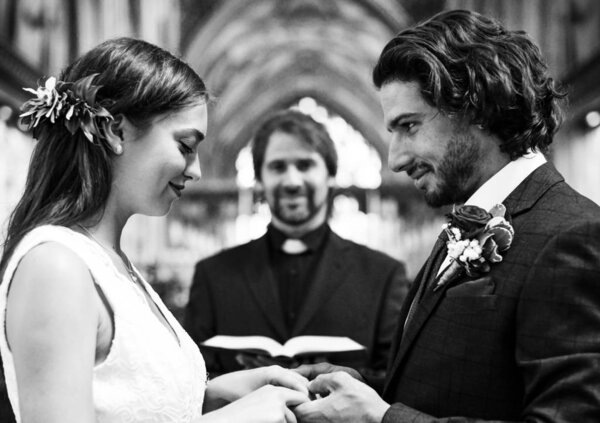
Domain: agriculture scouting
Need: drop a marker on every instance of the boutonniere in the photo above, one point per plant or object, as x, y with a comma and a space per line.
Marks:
475, 240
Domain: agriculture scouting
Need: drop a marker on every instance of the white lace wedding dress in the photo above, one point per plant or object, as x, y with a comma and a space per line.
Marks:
147, 376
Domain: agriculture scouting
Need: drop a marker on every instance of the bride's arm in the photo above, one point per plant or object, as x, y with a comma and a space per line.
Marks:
51, 323
232, 386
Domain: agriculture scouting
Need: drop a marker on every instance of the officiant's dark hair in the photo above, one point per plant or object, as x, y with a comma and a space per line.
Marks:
470, 66
69, 177
296, 123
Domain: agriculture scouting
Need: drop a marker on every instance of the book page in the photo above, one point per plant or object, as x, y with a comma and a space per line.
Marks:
320, 344
248, 343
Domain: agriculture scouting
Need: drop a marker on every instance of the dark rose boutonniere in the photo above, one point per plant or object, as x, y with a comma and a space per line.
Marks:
475, 240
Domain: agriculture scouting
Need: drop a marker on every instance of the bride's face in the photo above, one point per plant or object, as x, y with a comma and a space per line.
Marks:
159, 162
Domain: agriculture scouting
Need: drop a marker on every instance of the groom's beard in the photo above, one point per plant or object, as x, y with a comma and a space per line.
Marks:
456, 172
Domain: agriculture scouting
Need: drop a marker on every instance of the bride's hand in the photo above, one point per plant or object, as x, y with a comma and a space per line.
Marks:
265, 405
232, 386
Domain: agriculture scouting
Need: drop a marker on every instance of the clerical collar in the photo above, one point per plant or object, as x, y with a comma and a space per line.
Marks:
313, 240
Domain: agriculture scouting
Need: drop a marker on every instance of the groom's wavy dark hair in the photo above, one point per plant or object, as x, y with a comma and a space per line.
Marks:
470, 66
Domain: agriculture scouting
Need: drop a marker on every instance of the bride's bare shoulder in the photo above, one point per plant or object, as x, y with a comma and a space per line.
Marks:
51, 260
50, 275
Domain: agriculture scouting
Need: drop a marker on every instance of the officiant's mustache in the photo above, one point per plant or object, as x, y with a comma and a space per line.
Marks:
308, 210
294, 191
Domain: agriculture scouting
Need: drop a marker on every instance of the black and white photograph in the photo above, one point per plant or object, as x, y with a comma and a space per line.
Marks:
299, 211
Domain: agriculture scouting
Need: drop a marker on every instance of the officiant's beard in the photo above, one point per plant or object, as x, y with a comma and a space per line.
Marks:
455, 174
300, 214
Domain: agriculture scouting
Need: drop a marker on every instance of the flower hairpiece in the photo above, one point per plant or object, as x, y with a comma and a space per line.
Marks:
71, 103
475, 240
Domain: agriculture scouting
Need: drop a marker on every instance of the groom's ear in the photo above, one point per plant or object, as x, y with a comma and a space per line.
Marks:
114, 134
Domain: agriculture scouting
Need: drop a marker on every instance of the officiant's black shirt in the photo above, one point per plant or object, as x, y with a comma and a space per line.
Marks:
294, 272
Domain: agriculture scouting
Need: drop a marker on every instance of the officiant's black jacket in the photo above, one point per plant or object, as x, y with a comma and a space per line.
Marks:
355, 292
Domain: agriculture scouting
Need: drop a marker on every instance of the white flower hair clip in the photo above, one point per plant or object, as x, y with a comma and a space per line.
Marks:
72, 104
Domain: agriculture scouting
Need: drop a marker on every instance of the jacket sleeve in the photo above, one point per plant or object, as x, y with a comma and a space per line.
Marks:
199, 314
557, 343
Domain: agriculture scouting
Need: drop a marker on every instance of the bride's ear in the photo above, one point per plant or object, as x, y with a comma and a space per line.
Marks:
114, 134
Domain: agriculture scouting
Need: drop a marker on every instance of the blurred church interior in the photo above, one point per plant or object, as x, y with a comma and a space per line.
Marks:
261, 55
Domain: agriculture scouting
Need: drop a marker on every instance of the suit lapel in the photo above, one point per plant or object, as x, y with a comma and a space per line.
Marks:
263, 287
431, 265
438, 253
403, 315
424, 300
328, 276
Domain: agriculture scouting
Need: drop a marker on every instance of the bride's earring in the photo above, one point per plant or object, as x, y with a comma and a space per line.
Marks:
114, 135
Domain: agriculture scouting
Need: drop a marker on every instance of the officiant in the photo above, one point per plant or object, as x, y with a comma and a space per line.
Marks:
300, 278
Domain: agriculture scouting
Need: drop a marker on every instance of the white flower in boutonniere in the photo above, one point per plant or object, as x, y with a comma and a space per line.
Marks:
475, 240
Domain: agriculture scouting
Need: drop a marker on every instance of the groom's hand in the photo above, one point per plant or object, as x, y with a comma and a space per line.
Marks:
311, 371
342, 399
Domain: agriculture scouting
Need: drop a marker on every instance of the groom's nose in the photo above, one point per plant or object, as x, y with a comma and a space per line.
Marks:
399, 157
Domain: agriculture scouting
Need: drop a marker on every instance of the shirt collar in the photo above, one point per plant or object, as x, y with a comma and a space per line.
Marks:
496, 189
312, 239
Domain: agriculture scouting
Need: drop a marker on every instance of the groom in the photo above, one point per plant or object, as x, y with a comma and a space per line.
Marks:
506, 328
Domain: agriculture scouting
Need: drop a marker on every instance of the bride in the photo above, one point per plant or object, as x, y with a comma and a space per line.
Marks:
85, 338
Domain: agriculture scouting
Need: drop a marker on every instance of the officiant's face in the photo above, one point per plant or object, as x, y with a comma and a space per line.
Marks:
440, 154
295, 181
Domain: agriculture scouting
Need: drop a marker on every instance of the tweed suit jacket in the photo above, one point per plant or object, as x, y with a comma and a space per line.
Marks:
356, 292
521, 343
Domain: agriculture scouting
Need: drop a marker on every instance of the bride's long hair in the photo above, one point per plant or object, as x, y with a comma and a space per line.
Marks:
69, 177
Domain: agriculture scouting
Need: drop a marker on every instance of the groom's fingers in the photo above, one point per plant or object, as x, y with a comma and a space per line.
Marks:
326, 383
306, 370
311, 371
308, 411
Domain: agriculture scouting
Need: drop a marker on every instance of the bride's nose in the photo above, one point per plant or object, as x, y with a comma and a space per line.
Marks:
193, 170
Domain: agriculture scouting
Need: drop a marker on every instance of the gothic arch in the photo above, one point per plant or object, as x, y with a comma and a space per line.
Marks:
263, 55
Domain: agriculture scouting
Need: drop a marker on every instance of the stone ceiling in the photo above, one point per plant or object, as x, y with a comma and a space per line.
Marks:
261, 55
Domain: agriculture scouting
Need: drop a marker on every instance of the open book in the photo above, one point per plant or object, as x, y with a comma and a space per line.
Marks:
300, 346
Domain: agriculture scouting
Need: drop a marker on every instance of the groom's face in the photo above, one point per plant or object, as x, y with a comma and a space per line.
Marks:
440, 154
